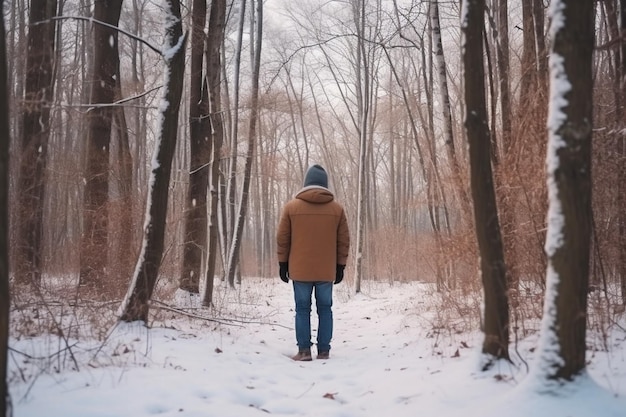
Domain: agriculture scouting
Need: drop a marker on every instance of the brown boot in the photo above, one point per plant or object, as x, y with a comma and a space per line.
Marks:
323, 354
303, 355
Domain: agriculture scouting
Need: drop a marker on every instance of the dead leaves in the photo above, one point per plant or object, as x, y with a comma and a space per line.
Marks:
457, 353
330, 395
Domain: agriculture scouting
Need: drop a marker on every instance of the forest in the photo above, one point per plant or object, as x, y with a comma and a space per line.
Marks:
148, 147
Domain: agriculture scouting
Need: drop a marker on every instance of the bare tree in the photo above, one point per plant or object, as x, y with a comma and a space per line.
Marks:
533, 64
441, 69
136, 303
5, 298
363, 86
214, 71
35, 131
563, 347
492, 267
126, 211
229, 199
621, 191
94, 242
200, 148
233, 256
610, 159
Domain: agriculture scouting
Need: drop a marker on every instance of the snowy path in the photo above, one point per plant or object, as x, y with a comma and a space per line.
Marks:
384, 362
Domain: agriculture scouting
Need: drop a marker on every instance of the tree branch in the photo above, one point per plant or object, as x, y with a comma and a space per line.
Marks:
92, 20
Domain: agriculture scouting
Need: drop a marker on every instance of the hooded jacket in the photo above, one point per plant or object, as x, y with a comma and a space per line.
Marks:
313, 235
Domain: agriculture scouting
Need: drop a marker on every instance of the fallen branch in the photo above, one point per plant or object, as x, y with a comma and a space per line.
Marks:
231, 322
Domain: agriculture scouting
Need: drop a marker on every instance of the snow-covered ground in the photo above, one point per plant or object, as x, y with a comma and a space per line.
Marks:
390, 357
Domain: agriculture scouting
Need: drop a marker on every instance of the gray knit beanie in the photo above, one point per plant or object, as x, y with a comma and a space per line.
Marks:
316, 175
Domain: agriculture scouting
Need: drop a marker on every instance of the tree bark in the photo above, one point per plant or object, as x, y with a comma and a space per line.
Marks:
217, 25
529, 54
621, 151
562, 353
136, 303
233, 257
35, 130
229, 199
444, 94
94, 243
5, 297
492, 267
195, 243
363, 102
123, 269
502, 58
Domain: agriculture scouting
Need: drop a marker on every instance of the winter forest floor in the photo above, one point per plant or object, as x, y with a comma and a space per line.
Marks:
393, 355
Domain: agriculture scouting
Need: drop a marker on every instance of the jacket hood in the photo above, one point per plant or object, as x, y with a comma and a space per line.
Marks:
316, 175
315, 194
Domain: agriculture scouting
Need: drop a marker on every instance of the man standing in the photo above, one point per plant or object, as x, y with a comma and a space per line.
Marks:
312, 246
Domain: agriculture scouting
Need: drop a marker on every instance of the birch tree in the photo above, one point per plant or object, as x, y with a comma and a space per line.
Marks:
492, 267
562, 345
136, 303
444, 94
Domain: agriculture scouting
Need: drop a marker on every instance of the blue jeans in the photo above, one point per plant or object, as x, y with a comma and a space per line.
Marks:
324, 302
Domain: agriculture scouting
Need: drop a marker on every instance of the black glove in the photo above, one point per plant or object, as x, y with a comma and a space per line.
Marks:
339, 275
283, 270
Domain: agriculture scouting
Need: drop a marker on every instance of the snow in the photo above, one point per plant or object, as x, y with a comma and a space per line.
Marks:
394, 354
170, 53
549, 348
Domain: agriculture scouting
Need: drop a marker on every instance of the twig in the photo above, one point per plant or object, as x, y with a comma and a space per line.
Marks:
161, 305
130, 35
92, 106
166, 307
67, 347
106, 339
307, 390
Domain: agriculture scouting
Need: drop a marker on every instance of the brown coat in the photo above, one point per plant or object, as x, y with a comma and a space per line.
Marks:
313, 235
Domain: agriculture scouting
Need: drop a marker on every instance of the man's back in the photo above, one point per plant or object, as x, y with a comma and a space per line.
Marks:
313, 235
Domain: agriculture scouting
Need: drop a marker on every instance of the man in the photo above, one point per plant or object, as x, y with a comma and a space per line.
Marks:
312, 246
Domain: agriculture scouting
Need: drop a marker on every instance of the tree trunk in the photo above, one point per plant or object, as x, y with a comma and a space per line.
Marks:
563, 348
126, 211
5, 298
214, 69
136, 303
441, 69
541, 57
233, 257
94, 242
621, 151
529, 53
228, 218
35, 129
363, 96
502, 59
493, 269
195, 242
501, 163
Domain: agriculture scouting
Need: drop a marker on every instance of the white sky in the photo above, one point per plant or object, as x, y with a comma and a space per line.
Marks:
387, 360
